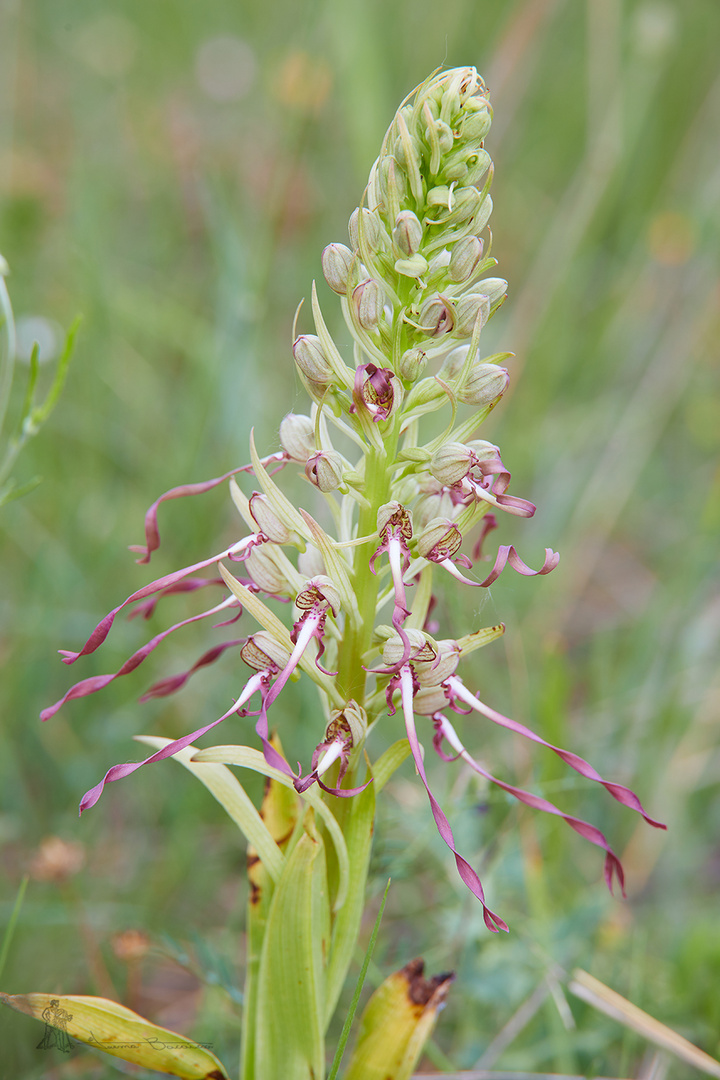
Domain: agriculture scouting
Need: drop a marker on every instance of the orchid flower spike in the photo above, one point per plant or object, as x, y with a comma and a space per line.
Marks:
391, 513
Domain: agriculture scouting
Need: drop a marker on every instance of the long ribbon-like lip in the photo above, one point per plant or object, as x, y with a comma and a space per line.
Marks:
468, 875
98, 682
613, 866
618, 791
117, 772
102, 629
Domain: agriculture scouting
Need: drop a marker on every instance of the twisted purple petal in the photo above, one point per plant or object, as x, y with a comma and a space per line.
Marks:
613, 865
513, 504
465, 870
146, 609
152, 534
102, 629
172, 683
98, 682
117, 772
623, 794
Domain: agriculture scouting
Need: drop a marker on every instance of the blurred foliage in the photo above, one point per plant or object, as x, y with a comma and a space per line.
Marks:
172, 171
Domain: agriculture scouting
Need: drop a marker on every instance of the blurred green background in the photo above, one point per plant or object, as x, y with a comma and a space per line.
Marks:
171, 171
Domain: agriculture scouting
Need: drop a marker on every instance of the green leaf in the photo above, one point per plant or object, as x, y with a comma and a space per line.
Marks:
345, 1033
388, 762
10, 929
278, 500
248, 758
107, 1026
342, 371
335, 565
233, 798
356, 817
281, 807
289, 1035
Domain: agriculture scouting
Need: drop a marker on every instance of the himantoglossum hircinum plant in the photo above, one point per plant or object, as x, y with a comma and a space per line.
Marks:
415, 294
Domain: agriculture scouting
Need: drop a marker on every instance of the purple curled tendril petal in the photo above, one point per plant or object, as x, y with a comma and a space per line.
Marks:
102, 629
465, 870
618, 791
271, 755
508, 554
147, 609
118, 772
173, 683
152, 533
344, 793
513, 504
613, 866
98, 682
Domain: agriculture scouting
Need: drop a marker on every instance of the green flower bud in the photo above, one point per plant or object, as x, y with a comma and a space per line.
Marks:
442, 668
311, 562
436, 317
408, 233
432, 505
429, 700
454, 363
483, 450
261, 650
267, 520
297, 437
394, 514
443, 133
465, 258
494, 288
264, 572
318, 590
485, 385
311, 359
337, 265
421, 644
365, 226
324, 469
468, 310
412, 363
462, 205
414, 267
368, 301
467, 165
451, 463
439, 196
440, 539
476, 125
